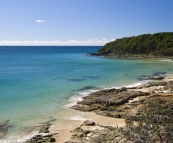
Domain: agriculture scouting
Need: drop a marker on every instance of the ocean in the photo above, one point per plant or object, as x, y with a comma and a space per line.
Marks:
37, 81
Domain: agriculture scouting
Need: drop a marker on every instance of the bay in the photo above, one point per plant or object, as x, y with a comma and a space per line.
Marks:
36, 81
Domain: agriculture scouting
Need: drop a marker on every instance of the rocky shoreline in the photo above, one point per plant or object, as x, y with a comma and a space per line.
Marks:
108, 102
120, 103
123, 102
89, 132
43, 135
131, 56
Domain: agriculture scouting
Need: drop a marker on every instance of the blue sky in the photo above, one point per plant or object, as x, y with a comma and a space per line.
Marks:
81, 22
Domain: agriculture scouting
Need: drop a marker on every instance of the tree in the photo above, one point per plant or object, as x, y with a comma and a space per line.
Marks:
147, 44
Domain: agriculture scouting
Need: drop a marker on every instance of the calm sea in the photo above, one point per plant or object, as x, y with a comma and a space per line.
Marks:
36, 81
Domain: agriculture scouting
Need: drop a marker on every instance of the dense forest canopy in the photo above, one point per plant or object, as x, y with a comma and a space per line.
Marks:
158, 44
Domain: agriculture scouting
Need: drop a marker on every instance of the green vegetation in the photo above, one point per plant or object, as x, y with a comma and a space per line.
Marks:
158, 44
154, 125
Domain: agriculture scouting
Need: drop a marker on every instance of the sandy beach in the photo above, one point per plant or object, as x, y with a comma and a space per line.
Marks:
65, 134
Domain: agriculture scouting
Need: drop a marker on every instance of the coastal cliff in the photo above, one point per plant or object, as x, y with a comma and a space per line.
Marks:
146, 45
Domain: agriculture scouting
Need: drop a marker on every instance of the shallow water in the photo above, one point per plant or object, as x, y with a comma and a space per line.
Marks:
36, 82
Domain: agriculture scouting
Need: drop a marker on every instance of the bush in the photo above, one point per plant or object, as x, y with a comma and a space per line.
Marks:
154, 125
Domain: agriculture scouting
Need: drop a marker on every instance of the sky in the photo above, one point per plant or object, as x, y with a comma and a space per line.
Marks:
81, 22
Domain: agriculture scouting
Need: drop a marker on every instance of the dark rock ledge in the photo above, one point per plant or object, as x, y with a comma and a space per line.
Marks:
43, 136
110, 102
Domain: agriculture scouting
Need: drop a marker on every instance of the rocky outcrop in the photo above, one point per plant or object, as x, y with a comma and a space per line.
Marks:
155, 76
88, 123
123, 103
166, 85
110, 102
97, 134
43, 136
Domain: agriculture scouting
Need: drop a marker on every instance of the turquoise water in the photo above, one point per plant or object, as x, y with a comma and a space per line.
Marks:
35, 81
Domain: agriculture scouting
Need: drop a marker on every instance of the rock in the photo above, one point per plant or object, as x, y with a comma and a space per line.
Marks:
44, 129
118, 116
48, 135
3, 128
155, 76
109, 99
87, 139
74, 135
41, 138
110, 102
86, 131
80, 135
89, 123
52, 140
90, 134
106, 135
78, 130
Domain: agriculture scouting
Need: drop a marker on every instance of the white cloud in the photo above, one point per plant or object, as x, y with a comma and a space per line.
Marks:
89, 42
28, 32
39, 21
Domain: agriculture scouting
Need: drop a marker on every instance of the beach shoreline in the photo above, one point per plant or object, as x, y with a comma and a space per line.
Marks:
72, 120
61, 131
141, 88
64, 134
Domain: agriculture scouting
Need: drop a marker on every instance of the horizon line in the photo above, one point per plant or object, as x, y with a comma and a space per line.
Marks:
51, 45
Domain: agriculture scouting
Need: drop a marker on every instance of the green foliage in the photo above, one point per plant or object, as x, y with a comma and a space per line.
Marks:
155, 125
158, 44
